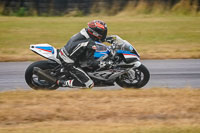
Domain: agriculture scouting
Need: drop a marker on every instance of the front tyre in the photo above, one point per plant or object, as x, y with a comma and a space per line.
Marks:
135, 78
36, 82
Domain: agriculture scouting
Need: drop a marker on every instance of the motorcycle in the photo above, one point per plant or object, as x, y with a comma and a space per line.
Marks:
125, 67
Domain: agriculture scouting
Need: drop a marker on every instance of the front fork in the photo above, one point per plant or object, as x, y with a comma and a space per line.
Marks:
136, 64
130, 70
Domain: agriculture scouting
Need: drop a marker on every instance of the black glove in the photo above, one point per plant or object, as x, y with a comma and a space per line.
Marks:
109, 39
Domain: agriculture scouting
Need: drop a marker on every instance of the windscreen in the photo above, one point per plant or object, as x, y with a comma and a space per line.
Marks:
121, 44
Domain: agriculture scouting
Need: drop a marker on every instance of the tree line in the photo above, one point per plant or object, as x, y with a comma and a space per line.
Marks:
86, 7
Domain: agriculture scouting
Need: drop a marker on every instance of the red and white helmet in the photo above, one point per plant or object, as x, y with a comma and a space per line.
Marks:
97, 30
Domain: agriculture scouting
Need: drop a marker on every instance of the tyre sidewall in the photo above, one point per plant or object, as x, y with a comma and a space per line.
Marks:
146, 73
29, 73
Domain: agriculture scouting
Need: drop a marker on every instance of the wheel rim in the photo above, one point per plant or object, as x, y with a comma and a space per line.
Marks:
133, 77
39, 82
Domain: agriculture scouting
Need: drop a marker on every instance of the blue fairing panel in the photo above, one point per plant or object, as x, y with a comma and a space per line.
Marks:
124, 52
46, 48
99, 54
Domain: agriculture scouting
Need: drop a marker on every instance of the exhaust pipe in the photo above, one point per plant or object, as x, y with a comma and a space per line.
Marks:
41, 73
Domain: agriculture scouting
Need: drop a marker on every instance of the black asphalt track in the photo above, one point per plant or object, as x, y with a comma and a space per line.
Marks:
172, 73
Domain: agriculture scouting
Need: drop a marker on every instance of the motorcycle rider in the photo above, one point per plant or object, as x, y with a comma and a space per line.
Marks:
82, 46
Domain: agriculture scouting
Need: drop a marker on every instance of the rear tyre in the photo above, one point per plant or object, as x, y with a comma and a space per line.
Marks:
36, 82
136, 78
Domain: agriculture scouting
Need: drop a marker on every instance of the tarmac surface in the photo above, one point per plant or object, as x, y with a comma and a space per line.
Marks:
171, 73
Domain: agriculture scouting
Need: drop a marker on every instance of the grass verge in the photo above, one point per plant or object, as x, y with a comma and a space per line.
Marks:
155, 37
138, 111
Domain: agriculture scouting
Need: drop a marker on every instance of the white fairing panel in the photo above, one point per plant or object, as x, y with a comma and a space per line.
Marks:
46, 51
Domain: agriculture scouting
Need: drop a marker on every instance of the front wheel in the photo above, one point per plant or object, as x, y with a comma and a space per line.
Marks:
134, 78
37, 82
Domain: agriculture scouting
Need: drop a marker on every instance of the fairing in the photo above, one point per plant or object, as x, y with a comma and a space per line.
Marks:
121, 47
45, 50
101, 50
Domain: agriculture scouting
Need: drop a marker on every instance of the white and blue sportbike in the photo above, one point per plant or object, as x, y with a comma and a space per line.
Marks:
125, 67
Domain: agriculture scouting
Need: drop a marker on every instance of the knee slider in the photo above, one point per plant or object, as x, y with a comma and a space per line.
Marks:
89, 84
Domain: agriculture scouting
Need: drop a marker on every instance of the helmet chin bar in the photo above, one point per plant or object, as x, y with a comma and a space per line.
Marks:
94, 33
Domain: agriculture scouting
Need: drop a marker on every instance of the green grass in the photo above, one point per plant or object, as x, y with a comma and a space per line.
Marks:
153, 36
65, 127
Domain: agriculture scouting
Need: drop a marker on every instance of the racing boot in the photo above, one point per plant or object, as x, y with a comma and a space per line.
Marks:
75, 83
64, 83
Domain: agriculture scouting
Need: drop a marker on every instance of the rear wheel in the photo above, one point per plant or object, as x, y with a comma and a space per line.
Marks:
35, 81
135, 78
